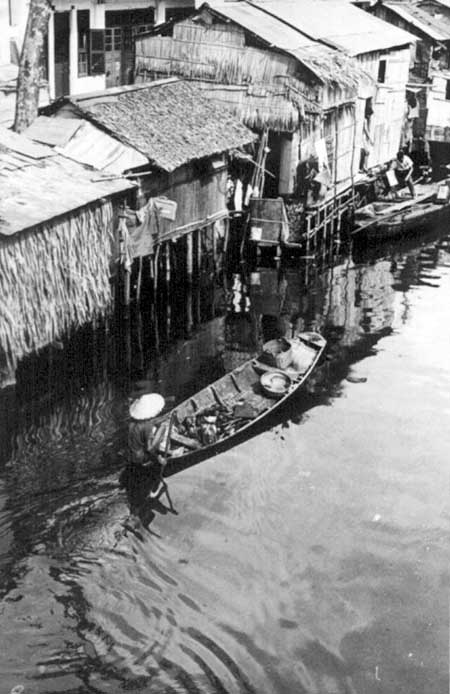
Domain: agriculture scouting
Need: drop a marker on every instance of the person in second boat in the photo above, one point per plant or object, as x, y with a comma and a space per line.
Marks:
145, 438
404, 168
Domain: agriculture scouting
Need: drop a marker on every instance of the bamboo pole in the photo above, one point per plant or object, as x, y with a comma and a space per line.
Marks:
189, 265
214, 248
199, 273
168, 292
139, 281
308, 234
126, 288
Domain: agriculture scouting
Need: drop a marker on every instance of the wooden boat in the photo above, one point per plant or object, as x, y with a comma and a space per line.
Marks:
385, 219
413, 218
216, 416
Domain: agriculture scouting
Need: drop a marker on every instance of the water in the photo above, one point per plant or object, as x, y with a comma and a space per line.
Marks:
311, 559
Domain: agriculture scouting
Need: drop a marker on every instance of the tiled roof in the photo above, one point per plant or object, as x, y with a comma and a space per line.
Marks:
171, 121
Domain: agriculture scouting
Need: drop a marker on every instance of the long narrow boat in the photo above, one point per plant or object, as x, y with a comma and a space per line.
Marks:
222, 412
391, 222
384, 219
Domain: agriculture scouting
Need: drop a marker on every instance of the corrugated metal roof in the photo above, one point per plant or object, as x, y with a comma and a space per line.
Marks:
22, 145
268, 28
324, 62
77, 139
48, 187
53, 131
91, 146
444, 3
337, 23
436, 28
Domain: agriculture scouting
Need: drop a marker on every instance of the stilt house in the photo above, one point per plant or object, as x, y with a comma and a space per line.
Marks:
168, 135
318, 95
428, 89
174, 142
56, 246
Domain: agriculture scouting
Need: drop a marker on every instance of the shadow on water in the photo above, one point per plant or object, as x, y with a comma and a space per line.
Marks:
159, 607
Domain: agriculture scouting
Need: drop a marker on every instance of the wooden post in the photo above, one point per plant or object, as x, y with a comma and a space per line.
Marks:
168, 293
199, 273
126, 287
214, 247
308, 234
139, 281
226, 240
189, 263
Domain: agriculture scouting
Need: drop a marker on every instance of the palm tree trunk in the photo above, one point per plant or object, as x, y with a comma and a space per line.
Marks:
27, 100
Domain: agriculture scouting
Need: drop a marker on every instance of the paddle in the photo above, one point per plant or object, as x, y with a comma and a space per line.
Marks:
164, 463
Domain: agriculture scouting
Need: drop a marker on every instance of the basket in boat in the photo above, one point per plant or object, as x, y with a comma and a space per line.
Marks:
275, 384
277, 353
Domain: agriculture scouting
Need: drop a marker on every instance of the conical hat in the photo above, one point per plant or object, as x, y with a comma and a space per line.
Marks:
147, 406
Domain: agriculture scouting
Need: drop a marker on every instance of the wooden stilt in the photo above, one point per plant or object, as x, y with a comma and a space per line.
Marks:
214, 248
126, 288
139, 281
199, 274
168, 292
226, 240
308, 241
189, 263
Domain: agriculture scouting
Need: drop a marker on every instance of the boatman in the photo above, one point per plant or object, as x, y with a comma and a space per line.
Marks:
144, 439
403, 168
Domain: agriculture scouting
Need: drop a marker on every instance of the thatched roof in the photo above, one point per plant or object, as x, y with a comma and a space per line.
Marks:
37, 184
171, 121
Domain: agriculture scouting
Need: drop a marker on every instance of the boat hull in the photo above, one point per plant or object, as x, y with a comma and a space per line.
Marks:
412, 220
242, 387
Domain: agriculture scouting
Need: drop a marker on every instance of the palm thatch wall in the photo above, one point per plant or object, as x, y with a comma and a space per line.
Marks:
53, 278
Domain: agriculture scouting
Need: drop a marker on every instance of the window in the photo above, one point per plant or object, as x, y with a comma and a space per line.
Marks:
447, 90
178, 13
382, 71
83, 42
97, 52
113, 39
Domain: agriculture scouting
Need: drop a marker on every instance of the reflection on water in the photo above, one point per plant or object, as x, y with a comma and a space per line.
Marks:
312, 558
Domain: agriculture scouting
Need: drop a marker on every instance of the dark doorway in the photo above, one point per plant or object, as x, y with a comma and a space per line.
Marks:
273, 165
440, 158
62, 31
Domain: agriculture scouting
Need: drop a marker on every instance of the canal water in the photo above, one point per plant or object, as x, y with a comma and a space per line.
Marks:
312, 558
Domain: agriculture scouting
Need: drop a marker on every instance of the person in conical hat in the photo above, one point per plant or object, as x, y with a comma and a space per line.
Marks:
144, 436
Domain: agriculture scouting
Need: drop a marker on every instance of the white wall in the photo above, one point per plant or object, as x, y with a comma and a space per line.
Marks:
438, 117
11, 27
389, 102
83, 85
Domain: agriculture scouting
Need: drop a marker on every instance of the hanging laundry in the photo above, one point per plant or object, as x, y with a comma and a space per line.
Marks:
238, 194
321, 153
144, 228
125, 257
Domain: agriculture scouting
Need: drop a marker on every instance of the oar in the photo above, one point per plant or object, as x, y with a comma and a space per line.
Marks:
166, 455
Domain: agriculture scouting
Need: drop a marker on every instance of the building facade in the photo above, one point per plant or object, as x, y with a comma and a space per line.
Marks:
90, 43
428, 89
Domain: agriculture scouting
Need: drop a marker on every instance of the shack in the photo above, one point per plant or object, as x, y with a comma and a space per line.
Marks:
276, 79
322, 82
428, 89
305, 71
56, 245
171, 139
